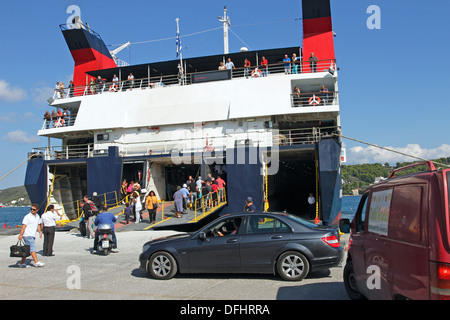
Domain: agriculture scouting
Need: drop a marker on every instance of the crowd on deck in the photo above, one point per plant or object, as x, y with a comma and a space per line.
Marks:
291, 65
56, 119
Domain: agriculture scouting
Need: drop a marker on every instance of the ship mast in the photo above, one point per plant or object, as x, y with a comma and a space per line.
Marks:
226, 24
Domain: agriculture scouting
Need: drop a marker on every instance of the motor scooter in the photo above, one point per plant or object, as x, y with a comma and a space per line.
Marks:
105, 239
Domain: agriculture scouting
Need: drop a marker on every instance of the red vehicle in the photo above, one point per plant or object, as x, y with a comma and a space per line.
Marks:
400, 238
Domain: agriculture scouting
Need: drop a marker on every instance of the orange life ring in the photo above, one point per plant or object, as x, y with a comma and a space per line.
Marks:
113, 88
59, 123
314, 100
256, 73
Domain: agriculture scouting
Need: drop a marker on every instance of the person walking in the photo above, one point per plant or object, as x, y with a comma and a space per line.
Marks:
49, 219
152, 204
312, 206
90, 211
137, 206
178, 199
30, 225
221, 183
249, 206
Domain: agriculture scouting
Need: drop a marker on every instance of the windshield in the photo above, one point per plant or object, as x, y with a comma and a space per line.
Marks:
300, 220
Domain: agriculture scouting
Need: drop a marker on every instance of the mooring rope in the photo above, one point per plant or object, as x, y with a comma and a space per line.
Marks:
392, 150
17, 167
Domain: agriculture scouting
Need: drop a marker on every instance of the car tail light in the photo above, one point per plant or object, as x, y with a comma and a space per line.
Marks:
440, 280
332, 241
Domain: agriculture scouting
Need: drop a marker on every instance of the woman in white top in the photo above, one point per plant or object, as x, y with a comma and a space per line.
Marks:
49, 219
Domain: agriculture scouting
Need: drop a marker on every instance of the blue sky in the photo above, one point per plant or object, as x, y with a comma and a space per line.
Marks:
392, 81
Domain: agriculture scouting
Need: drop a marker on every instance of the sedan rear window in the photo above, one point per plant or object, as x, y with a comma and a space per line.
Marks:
300, 220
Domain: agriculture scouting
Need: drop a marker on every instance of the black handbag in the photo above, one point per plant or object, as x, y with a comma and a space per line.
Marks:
20, 250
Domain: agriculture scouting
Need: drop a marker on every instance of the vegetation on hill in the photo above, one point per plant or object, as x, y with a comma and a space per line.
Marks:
361, 176
16, 196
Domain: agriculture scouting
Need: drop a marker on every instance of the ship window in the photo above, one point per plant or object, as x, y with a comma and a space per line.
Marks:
103, 137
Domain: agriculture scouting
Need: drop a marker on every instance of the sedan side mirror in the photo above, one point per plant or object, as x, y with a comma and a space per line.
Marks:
202, 236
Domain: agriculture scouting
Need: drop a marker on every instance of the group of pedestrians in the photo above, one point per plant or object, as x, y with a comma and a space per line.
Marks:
45, 225
136, 204
206, 192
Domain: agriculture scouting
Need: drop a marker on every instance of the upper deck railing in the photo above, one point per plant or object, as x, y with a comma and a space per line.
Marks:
153, 82
287, 137
313, 99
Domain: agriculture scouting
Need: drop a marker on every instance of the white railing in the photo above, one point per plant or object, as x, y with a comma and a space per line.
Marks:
179, 147
58, 122
66, 152
170, 80
314, 99
290, 137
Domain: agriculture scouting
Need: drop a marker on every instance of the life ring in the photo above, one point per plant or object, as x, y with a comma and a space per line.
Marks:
113, 88
256, 73
59, 123
314, 100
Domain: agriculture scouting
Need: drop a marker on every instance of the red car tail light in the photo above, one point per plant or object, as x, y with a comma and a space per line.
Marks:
440, 280
332, 241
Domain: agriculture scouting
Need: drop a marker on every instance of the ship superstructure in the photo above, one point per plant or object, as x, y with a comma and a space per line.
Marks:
270, 130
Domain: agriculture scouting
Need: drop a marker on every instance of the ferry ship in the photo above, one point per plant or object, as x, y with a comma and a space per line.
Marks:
273, 131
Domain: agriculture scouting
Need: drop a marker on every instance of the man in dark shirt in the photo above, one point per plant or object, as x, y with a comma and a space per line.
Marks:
313, 62
193, 191
249, 206
89, 211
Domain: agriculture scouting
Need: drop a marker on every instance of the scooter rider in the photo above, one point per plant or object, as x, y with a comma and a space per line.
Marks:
105, 218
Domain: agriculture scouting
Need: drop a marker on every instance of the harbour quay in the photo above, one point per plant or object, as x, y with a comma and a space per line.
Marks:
76, 274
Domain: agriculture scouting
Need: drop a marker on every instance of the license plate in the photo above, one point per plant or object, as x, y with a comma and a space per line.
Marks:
105, 244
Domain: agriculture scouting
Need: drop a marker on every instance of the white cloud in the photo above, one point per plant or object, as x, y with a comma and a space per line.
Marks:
371, 154
19, 136
9, 93
41, 94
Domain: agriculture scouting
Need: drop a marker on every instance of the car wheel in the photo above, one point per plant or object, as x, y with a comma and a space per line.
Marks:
162, 266
292, 266
350, 282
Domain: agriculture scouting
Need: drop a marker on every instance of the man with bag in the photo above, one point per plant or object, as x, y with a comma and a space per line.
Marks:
30, 225
90, 211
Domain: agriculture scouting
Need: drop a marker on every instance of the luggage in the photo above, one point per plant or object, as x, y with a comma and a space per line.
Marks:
83, 228
20, 250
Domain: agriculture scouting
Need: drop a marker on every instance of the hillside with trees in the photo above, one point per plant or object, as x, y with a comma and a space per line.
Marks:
361, 176
15, 196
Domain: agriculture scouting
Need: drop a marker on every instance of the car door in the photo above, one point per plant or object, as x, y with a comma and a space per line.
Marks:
219, 250
263, 239
358, 245
377, 261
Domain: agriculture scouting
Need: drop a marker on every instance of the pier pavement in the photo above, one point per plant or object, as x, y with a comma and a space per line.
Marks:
74, 273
